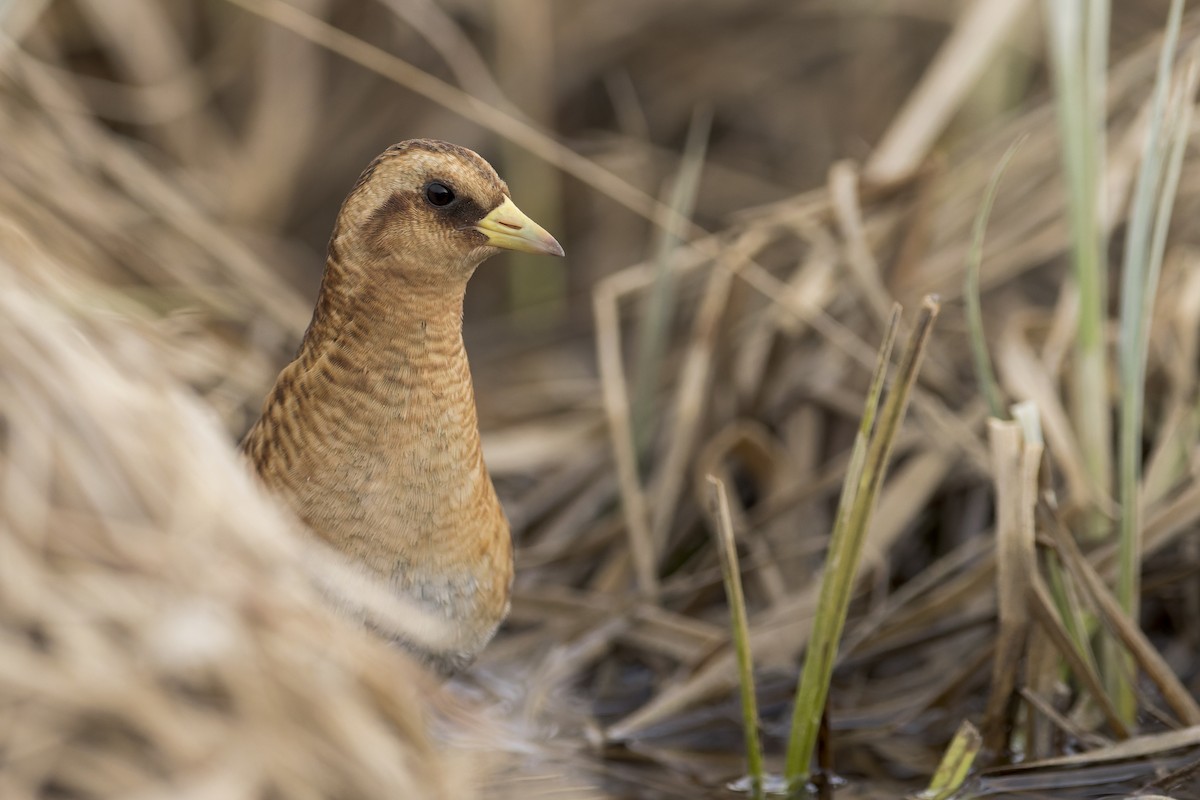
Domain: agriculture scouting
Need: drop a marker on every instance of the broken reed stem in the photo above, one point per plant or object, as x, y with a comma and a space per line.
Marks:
1066, 599
868, 463
984, 373
718, 507
1014, 470
956, 763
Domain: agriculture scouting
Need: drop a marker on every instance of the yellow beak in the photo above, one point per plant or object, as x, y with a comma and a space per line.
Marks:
506, 227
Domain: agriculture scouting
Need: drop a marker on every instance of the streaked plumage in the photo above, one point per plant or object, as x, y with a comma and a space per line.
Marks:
370, 434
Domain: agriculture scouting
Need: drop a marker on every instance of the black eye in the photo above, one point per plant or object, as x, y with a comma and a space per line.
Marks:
439, 194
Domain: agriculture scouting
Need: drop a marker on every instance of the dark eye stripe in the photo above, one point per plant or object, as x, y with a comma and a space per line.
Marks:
464, 213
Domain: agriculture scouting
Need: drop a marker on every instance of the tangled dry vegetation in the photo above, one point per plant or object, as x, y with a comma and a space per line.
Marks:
166, 198
160, 636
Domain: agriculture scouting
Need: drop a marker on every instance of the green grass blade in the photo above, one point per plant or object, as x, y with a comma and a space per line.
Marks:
811, 692
718, 502
984, 373
1149, 217
863, 480
656, 312
1078, 54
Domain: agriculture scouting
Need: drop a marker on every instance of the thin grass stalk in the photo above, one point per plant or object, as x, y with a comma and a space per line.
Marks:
1090, 683
660, 301
1078, 50
718, 501
985, 375
1066, 603
1092, 377
845, 547
615, 396
1096, 55
1149, 218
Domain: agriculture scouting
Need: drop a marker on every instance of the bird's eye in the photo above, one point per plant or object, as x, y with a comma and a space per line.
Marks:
439, 194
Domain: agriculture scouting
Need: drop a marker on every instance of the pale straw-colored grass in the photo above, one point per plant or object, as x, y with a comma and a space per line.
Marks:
160, 634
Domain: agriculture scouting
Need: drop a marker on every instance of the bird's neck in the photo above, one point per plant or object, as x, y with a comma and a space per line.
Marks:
373, 426
379, 313
394, 351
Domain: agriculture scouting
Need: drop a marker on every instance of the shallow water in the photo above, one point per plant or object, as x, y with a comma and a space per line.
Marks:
551, 745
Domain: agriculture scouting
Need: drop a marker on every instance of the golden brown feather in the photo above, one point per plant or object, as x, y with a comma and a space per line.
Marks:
370, 434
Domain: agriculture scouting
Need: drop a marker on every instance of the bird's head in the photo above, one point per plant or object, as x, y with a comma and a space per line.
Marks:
433, 211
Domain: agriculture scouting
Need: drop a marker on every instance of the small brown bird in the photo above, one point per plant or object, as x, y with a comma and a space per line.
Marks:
370, 434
